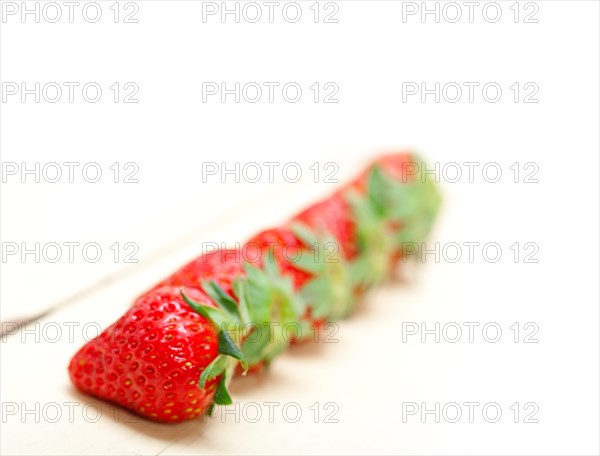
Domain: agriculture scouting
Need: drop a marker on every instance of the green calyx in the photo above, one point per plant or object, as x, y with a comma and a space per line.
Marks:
227, 320
389, 216
373, 231
415, 204
273, 308
329, 292
254, 329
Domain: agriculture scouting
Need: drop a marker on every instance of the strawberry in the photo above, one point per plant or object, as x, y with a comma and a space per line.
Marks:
390, 208
269, 301
398, 166
409, 198
220, 266
334, 217
286, 248
318, 270
172, 355
265, 298
152, 358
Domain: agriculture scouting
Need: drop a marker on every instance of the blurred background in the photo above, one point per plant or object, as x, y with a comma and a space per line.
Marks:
136, 134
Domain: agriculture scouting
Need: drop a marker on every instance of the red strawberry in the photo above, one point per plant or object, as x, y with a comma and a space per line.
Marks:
220, 266
170, 357
308, 251
151, 359
286, 248
400, 167
333, 216
393, 208
412, 197
226, 277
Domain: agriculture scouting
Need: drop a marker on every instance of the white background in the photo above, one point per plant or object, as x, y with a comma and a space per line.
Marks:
369, 54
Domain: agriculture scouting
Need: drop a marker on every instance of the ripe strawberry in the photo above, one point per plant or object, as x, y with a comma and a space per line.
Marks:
318, 270
399, 167
286, 248
151, 359
221, 266
410, 197
389, 208
264, 298
333, 216
171, 356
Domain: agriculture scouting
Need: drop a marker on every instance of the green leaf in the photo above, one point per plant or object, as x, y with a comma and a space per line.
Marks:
228, 347
270, 265
307, 262
255, 344
356, 200
276, 345
257, 294
376, 190
254, 273
214, 315
222, 396
304, 233
315, 293
240, 292
270, 298
215, 368
404, 200
222, 299
365, 272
